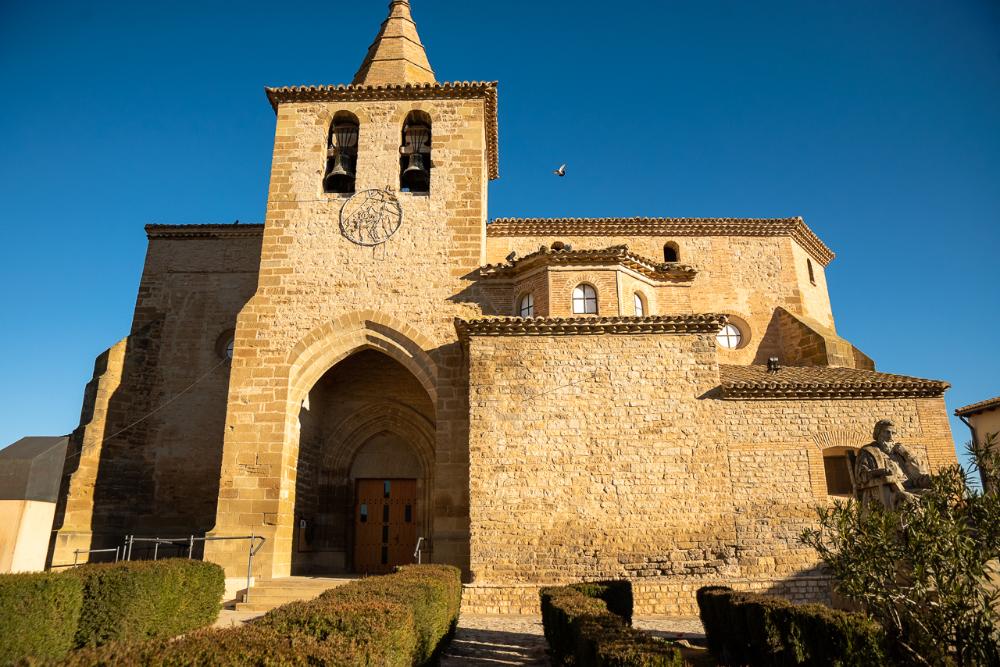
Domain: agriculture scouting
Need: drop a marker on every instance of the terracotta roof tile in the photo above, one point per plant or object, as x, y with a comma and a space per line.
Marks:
981, 406
615, 255
793, 227
823, 382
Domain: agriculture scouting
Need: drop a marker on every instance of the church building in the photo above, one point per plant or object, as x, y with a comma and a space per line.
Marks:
381, 370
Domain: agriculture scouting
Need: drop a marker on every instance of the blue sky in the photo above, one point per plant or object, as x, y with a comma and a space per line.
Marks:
878, 122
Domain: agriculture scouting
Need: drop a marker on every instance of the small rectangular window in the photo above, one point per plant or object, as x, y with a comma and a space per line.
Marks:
385, 513
386, 488
385, 534
408, 514
385, 555
364, 513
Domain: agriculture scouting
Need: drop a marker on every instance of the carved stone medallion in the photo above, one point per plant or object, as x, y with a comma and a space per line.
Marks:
371, 217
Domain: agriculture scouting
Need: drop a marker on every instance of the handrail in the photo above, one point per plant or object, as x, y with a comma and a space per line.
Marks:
252, 550
418, 554
124, 552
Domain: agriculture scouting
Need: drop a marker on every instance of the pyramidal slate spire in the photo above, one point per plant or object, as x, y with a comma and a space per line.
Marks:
396, 55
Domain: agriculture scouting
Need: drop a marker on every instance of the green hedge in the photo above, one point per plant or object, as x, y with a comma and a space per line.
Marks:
399, 619
38, 615
232, 647
412, 610
750, 629
582, 631
140, 600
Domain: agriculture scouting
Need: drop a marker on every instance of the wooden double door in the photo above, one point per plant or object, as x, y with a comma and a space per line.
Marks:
385, 524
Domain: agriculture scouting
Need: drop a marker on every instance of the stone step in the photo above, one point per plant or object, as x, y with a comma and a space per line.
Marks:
275, 592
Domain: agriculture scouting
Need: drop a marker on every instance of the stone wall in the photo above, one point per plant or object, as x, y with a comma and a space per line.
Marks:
745, 276
608, 456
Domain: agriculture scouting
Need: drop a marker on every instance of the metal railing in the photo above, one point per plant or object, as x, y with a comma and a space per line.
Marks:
418, 554
124, 551
255, 544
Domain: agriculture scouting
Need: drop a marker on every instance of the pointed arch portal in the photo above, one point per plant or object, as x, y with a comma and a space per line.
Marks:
366, 431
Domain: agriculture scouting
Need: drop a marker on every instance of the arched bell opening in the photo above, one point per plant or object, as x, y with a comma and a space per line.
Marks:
415, 154
365, 469
342, 154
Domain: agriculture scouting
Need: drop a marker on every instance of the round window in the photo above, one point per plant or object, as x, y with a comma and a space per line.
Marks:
730, 337
229, 349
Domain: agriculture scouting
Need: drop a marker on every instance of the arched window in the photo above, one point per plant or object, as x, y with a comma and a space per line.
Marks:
526, 306
812, 274
730, 337
837, 468
341, 154
640, 305
584, 300
415, 160
671, 252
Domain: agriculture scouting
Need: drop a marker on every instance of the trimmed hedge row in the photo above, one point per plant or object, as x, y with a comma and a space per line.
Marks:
38, 615
138, 600
582, 630
751, 629
399, 619
45, 615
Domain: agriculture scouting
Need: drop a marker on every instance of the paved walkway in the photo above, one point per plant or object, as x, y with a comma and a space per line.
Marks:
497, 640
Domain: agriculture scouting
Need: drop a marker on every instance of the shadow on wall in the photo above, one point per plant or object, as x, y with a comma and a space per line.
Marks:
157, 469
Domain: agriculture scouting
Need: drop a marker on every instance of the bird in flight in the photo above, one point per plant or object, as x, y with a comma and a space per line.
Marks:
561, 171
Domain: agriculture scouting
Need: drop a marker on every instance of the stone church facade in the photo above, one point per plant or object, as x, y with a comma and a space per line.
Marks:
541, 400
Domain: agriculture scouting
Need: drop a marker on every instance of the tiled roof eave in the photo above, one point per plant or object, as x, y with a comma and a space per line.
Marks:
793, 227
976, 408
873, 390
610, 257
709, 323
204, 231
485, 90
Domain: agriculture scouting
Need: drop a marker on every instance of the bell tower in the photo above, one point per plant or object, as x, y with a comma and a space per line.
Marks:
375, 226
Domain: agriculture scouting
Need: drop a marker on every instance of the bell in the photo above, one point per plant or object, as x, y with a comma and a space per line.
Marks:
416, 178
341, 177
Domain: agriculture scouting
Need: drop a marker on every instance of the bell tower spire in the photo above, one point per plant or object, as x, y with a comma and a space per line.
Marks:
396, 55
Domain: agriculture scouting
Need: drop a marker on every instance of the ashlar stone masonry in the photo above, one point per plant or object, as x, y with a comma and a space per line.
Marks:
539, 400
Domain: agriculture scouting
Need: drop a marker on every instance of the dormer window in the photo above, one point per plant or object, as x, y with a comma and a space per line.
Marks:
584, 300
415, 160
526, 306
342, 154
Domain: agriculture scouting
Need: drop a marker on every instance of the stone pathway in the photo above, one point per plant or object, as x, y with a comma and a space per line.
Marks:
497, 640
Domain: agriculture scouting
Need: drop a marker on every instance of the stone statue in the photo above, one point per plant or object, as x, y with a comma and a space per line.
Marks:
886, 472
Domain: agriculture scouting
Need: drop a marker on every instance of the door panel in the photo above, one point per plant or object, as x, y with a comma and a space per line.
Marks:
385, 520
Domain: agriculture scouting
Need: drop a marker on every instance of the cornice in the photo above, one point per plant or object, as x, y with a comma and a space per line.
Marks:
822, 382
204, 231
485, 90
615, 255
589, 326
793, 227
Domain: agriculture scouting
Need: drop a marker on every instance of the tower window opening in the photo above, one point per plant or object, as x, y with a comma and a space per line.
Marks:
526, 306
415, 154
584, 300
812, 274
671, 252
342, 154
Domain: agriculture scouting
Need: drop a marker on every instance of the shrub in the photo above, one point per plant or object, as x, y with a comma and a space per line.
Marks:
38, 615
923, 569
749, 629
399, 619
233, 647
581, 630
139, 600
